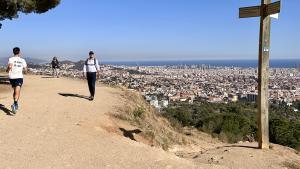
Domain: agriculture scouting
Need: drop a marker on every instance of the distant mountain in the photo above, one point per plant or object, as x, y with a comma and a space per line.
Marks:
29, 60
35, 60
38, 63
79, 65
66, 62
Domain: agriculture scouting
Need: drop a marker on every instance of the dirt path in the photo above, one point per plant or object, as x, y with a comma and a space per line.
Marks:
54, 131
58, 129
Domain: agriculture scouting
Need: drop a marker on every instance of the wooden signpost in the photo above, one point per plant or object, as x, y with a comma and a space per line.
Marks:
263, 11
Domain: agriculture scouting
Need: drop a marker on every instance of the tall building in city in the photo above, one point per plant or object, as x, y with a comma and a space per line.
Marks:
252, 97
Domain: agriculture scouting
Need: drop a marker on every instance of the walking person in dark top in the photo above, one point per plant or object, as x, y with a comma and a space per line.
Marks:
91, 70
55, 67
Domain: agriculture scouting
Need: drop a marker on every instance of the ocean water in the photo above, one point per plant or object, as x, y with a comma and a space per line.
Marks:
280, 63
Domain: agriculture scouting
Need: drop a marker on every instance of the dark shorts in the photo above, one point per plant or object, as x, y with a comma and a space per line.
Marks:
16, 82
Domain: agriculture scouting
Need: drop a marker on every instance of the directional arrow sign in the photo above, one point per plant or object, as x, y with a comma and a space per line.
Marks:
255, 11
247, 12
273, 8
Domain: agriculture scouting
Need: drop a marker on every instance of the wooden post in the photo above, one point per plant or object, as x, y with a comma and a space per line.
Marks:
263, 78
263, 11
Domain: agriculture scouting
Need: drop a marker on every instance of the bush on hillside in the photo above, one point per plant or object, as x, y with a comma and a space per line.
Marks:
235, 122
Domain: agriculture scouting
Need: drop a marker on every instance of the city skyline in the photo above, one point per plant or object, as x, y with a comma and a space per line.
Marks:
143, 30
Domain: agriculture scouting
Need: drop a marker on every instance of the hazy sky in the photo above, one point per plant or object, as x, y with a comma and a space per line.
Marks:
126, 30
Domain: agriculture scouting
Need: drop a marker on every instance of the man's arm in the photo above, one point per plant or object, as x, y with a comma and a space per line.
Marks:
98, 68
9, 66
84, 70
25, 69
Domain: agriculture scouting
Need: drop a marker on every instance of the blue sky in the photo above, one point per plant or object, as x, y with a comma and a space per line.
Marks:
131, 30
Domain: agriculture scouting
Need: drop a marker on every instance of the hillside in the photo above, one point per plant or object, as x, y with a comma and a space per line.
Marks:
58, 128
29, 60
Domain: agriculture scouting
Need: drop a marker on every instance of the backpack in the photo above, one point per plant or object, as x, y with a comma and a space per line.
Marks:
95, 61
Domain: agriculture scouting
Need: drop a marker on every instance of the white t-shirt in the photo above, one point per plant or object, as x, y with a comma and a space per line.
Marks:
18, 64
91, 66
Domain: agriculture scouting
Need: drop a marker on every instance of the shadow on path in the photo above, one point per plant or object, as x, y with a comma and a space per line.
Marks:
74, 95
252, 147
5, 110
130, 133
48, 77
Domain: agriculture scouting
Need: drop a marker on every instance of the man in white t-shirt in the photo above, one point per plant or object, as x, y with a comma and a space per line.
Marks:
15, 68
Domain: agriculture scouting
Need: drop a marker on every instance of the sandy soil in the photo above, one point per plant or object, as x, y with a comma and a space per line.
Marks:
54, 131
57, 128
244, 156
4, 84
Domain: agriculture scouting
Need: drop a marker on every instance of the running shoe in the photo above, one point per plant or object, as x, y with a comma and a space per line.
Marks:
13, 108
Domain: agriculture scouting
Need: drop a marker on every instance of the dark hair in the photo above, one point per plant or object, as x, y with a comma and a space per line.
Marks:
16, 50
91, 53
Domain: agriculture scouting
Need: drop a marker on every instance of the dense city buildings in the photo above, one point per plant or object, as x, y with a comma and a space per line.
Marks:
161, 85
217, 84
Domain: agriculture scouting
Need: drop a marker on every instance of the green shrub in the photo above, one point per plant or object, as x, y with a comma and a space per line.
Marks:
235, 121
285, 133
138, 112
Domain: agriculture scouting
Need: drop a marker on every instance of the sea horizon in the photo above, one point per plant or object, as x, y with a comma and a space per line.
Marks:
245, 63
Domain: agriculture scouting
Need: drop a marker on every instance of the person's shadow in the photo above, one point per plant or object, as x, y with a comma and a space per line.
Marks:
73, 95
130, 133
48, 77
5, 110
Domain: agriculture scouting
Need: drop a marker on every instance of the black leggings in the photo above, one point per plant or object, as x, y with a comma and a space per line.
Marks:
91, 78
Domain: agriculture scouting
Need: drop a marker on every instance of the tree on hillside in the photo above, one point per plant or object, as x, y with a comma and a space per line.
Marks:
9, 9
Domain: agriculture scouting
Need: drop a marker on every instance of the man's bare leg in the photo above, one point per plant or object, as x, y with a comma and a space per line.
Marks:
16, 97
17, 91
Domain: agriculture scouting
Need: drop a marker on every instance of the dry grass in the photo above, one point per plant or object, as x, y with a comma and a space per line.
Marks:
291, 165
156, 129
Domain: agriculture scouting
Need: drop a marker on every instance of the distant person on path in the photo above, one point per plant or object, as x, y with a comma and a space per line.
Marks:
15, 68
91, 70
55, 67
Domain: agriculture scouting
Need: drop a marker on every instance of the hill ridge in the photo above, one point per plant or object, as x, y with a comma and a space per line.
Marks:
56, 131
